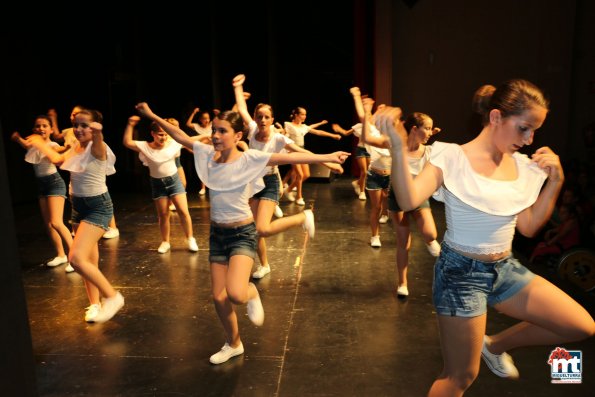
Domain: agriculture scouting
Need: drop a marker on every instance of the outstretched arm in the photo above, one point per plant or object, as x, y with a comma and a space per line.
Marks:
175, 132
410, 192
312, 129
293, 148
340, 130
307, 158
128, 139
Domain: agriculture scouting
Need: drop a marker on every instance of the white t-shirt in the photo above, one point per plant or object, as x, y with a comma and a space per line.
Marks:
275, 144
161, 162
41, 164
87, 174
200, 130
230, 184
296, 132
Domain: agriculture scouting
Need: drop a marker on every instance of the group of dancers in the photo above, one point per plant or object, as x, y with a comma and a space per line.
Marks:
489, 189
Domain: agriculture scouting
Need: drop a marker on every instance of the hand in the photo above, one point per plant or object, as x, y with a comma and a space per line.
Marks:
336, 137
247, 95
144, 110
323, 122
15, 136
196, 110
52, 114
436, 130
355, 91
388, 121
549, 161
338, 157
368, 104
133, 120
238, 80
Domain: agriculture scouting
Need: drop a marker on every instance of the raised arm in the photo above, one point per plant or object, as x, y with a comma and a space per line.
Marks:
379, 141
55, 130
357, 100
98, 150
410, 192
532, 219
238, 89
16, 137
190, 118
175, 132
127, 138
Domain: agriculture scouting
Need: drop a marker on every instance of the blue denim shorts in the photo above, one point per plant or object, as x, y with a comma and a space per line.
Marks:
51, 185
376, 181
393, 205
463, 287
271, 189
361, 152
96, 210
166, 187
227, 242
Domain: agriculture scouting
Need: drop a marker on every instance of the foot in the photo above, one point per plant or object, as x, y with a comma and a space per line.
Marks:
92, 312
300, 201
202, 192
111, 232
278, 212
69, 268
383, 219
500, 364
375, 241
164, 247
57, 261
433, 248
356, 187
308, 224
290, 196
362, 196
192, 246
109, 308
172, 207
402, 290
255, 309
226, 353
261, 271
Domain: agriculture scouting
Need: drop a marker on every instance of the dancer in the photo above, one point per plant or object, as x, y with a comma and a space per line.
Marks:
232, 177
488, 188
263, 136
159, 155
51, 189
203, 127
296, 129
420, 128
89, 163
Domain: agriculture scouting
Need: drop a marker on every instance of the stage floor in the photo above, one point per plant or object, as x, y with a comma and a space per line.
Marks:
334, 325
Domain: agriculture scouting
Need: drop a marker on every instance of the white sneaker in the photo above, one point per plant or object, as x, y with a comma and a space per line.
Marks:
69, 268
261, 271
383, 219
300, 201
308, 224
172, 207
57, 261
278, 212
290, 196
356, 187
202, 192
226, 353
294, 189
362, 195
192, 246
92, 312
402, 290
109, 308
500, 364
433, 248
163, 247
111, 232
375, 241
255, 310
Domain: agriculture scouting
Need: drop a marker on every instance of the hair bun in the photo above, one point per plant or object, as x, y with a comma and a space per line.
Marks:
482, 98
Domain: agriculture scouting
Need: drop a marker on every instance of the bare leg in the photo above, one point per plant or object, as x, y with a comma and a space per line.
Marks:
44, 206
181, 203
162, 207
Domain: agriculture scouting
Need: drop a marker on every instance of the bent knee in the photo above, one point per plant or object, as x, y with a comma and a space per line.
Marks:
237, 297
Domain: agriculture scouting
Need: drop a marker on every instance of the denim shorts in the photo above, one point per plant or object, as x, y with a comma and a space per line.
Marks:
463, 287
393, 205
96, 210
226, 242
166, 187
178, 162
361, 152
51, 185
271, 189
376, 181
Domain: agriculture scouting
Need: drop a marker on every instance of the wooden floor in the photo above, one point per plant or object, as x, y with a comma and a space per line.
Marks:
334, 325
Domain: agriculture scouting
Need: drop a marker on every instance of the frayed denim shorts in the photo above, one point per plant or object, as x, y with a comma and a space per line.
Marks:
361, 152
376, 181
393, 205
226, 242
166, 187
463, 287
96, 210
271, 189
51, 185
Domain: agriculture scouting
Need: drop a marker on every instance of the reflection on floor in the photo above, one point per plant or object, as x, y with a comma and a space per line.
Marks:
334, 325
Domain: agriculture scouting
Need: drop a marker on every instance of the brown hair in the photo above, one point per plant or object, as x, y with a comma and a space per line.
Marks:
415, 119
